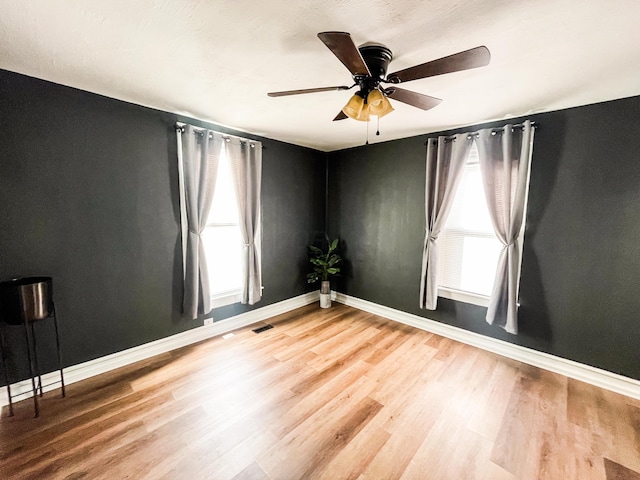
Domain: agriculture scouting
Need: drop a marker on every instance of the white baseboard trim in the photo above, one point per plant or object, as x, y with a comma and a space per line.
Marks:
585, 373
82, 371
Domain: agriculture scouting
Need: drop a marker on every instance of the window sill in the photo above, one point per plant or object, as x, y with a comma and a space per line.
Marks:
226, 298
466, 297
223, 299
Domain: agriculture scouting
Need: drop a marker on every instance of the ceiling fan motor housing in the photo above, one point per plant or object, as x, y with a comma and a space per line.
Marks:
377, 58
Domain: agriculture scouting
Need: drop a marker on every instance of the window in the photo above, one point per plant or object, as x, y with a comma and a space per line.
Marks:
469, 248
223, 241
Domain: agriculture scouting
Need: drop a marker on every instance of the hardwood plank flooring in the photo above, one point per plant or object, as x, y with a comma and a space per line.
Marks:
326, 394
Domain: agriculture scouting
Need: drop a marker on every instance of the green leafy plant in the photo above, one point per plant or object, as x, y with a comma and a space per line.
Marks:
324, 263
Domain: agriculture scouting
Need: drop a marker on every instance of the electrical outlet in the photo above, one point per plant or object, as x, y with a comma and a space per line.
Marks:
208, 321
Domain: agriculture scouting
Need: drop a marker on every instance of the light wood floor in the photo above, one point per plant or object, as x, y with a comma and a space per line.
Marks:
332, 394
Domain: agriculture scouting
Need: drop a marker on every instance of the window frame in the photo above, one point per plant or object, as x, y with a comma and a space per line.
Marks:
231, 295
473, 297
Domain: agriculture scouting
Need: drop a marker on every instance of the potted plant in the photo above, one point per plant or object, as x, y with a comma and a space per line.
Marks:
324, 265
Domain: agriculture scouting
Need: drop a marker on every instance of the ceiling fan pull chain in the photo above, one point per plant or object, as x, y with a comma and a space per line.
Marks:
378, 129
367, 142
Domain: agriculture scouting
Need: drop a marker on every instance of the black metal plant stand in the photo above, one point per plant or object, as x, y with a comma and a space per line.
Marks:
25, 301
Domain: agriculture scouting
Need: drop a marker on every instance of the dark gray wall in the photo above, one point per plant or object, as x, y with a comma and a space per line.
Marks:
581, 268
88, 192
89, 196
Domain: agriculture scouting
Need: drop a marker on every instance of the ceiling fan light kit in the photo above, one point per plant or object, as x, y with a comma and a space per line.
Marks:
368, 67
356, 108
360, 108
379, 104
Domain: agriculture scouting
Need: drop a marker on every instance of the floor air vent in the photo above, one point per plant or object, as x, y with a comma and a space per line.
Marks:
262, 329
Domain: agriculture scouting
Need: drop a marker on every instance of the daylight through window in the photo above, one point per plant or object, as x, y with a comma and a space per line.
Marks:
222, 240
469, 248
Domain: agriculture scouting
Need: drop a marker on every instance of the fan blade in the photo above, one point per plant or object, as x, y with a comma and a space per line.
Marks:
473, 58
307, 90
340, 116
415, 99
342, 46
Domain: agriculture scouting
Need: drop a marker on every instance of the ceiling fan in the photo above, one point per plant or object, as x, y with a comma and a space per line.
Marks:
368, 66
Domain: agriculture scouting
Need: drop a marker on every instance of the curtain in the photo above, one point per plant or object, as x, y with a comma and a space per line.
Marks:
198, 158
245, 158
505, 158
445, 162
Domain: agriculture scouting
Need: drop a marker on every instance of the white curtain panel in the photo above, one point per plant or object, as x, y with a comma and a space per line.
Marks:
198, 158
505, 159
446, 157
245, 158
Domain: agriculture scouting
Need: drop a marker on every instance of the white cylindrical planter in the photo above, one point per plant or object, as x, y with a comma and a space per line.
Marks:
325, 294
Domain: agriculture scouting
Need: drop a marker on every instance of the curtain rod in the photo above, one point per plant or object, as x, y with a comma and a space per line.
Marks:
227, 136
493, 132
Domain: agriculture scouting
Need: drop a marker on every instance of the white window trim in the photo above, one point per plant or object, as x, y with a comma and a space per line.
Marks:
484, 300
461, 295
466, 297
234, 295
223, 299
227, 297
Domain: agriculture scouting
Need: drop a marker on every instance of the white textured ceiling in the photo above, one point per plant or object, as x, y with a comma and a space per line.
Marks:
216, 60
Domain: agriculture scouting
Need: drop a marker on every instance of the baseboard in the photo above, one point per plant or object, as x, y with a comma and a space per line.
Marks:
85, 370
585, 373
